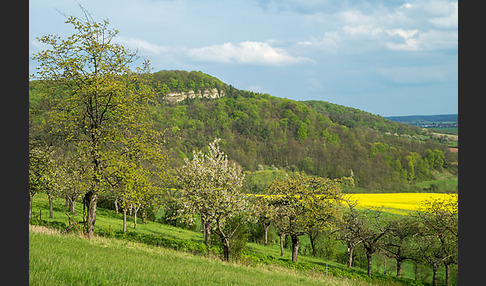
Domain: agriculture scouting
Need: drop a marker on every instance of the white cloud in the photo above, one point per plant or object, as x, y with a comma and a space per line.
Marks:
355, 17
437, 40
141, 45
305, 43
412, 26
407, 5
449, 19
362, 30
406, 34
258, 53
409, 42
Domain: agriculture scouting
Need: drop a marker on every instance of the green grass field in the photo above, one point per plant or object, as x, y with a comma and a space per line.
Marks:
71, 260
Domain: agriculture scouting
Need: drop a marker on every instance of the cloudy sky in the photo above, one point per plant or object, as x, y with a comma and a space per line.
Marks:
386, 57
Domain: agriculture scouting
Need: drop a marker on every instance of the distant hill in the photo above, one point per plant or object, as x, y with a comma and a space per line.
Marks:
426, 119
316, 137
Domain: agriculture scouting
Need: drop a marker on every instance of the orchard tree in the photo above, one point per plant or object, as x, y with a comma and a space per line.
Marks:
438, 222
210, 186
265, 212
398, 242
97, 98
373, 229
39, 171
302, 203
350, 228
365, 227
137, 174
68, 179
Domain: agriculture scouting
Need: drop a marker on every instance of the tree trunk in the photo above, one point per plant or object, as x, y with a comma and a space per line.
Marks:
350, 260
30, 205
206, 228
282, 236
295, 247
447, 269
116, 205
51, 215
369, 257
135, 211
266, 226
124, 220
226, 248
66, 204
434, 276
90, 201
144, 215
312, 241
72, 208
399, 268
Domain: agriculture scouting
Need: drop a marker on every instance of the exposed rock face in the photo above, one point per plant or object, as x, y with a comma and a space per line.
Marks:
175, 97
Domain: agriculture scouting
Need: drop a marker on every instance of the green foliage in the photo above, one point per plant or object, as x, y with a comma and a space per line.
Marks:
302, 205
210, 186
317, 137
256, 182
98, 107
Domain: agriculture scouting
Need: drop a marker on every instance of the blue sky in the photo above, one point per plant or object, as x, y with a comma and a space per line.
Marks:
385, 57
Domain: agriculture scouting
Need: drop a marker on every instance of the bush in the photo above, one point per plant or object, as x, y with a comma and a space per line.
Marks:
237, 242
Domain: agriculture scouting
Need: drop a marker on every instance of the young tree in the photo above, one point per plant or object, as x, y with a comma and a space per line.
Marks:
365, 227
302, 203
350, 229
438, 222
374, 228
265, 212
137, 175
210, 186
100, 96
39, 171
398, 241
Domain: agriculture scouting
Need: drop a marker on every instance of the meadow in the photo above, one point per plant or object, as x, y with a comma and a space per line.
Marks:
69, 259
56, 259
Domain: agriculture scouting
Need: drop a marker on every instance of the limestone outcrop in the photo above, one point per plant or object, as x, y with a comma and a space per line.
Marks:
175, 97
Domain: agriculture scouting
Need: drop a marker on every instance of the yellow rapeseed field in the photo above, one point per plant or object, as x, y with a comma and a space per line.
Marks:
399, 203
394, 202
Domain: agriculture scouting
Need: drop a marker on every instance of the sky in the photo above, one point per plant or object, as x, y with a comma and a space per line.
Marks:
385, 57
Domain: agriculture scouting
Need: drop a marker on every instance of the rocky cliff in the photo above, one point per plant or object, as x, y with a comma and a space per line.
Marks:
175, 97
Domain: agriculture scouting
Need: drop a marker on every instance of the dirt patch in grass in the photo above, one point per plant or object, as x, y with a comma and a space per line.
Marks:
43, 229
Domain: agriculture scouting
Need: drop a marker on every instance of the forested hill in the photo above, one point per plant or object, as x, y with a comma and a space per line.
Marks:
316, 137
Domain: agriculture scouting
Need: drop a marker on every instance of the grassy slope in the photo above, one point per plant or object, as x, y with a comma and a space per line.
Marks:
70, 260
108, 219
